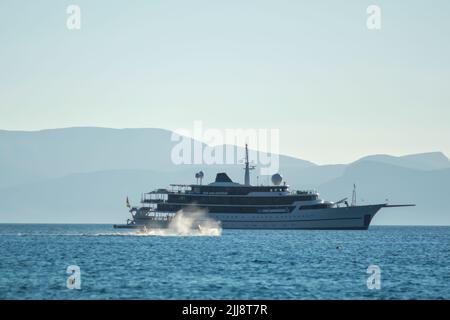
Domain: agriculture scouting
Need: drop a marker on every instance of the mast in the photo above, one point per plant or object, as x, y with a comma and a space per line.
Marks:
354, 196
247, 168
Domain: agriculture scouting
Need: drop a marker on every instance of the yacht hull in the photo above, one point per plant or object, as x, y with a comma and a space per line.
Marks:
342, 218
346, 218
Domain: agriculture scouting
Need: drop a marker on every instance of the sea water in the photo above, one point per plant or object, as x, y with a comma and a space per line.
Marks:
414, 263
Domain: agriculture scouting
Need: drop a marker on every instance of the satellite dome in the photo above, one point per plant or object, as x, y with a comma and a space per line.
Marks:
199, 176
276, 179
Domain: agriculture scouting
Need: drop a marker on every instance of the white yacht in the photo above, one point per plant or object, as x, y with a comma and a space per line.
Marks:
244, 206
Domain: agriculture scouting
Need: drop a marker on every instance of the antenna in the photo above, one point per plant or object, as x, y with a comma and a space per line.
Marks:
354, 196
201, 175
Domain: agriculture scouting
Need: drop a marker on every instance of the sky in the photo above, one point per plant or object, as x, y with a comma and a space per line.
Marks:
336, 90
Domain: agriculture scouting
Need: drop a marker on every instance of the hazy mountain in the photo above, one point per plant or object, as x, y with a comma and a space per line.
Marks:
30, 156
84, 174
79, 198
33, 156
380, 182
422, 161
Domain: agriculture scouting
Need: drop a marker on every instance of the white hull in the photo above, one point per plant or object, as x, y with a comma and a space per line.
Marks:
332, 218
343, 218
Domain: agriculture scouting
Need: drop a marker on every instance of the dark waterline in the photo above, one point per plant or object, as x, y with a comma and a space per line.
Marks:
240, 264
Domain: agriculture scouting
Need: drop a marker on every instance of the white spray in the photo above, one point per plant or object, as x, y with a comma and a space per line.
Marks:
193, 222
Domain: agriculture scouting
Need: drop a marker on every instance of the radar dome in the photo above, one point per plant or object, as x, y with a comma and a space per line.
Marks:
276, 179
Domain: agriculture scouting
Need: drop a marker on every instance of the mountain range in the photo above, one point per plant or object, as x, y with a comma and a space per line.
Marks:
83, 175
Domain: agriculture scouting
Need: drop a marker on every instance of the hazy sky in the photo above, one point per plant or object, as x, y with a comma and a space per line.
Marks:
335, 89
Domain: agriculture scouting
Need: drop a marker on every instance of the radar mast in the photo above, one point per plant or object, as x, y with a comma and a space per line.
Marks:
247, 167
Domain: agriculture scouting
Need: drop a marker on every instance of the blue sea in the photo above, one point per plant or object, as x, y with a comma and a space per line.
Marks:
240, 264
